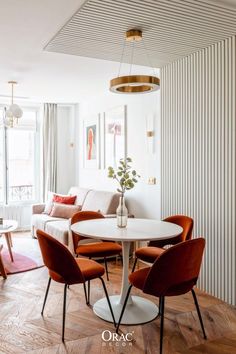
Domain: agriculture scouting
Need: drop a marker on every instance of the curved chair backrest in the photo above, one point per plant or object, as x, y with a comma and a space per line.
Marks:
185, 222
81, 216
58, 259
176, 271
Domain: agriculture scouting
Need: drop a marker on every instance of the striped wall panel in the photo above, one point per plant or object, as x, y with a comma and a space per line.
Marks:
198, 113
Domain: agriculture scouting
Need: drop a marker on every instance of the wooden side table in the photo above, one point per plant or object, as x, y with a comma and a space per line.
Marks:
7, 232
2, 268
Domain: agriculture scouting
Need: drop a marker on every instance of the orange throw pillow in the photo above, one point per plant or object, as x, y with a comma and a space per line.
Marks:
67, 199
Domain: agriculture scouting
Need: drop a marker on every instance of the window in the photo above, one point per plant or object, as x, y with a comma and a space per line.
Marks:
19, 162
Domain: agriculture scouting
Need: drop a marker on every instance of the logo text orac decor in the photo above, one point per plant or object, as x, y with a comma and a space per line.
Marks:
110, 338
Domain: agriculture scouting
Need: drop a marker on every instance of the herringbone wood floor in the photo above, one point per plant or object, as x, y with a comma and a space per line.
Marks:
23, 330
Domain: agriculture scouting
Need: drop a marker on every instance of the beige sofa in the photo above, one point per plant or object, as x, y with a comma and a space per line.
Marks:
102, 201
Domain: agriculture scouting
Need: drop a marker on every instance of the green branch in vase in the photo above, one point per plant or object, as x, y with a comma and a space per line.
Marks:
124, 175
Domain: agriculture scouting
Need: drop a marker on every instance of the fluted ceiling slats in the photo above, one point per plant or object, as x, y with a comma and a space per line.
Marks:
171, 29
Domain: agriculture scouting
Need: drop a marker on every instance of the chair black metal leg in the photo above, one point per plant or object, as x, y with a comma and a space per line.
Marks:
105, 263
88, 297
64, 313
46, 295
199, 313
159, 308
162, 305
85, 294
134, 265
108, 300
123, 309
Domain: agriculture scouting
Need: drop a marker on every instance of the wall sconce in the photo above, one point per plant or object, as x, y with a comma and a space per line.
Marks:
150, 133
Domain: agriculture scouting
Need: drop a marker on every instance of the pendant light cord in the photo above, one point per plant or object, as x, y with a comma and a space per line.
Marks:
132, 56
148, 58
122, 57
12, 93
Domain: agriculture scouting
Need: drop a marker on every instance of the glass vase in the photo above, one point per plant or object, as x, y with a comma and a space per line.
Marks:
122, 213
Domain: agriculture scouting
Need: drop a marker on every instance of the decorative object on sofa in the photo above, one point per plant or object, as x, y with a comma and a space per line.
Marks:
64, 199
64, 211
92, 142
13, 112
126, 178
134, 83
57, 198
115, 136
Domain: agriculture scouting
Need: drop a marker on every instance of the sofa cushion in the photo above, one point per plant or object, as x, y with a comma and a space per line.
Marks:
101, 201
64, 211
39, 221
59, 230
80, 193
48, 204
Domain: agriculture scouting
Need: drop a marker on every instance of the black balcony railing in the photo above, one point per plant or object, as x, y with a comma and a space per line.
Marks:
23, 192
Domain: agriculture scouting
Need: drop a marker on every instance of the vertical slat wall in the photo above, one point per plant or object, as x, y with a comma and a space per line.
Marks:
198, 113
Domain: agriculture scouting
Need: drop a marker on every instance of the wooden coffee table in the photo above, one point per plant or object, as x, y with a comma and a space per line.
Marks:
2, 268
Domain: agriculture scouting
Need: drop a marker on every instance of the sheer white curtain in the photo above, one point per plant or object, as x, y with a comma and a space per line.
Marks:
49, 148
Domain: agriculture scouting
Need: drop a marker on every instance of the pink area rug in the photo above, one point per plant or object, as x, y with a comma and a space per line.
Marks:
21, 263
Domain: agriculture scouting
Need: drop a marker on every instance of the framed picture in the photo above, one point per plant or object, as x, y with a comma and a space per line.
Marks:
91, 128
115, 136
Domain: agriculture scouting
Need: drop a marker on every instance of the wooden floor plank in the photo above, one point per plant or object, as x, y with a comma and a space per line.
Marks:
24, 330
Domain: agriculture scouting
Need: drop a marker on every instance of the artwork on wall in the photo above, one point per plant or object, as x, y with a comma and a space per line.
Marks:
92, 142
115, 138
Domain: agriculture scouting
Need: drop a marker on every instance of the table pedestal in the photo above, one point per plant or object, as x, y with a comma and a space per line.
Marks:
138, 309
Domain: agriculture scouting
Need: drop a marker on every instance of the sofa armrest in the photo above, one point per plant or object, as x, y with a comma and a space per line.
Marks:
38, 208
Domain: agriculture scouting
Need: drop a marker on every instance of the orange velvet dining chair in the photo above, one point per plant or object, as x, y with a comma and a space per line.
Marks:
175, 272
155, 248
97, 249
64, 268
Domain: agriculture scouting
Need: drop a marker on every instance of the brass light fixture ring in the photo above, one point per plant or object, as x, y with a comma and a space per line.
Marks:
134, 84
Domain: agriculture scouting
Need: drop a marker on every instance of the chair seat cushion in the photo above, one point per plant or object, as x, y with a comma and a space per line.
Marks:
149, 254
89, 268
138, 278
99, 249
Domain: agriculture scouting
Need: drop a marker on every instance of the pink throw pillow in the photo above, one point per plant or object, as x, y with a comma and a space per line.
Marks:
64, 211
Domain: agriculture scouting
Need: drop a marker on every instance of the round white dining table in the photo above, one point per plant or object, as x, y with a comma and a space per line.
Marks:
138, 310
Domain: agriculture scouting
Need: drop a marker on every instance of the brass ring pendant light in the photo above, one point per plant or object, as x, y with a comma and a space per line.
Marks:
133, 84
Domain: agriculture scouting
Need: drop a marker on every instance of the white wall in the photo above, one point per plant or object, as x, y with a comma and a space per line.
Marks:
65, 150
144, 199
199, 154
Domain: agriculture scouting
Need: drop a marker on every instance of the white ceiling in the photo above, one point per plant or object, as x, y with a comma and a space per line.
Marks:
27, 26
171, 29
